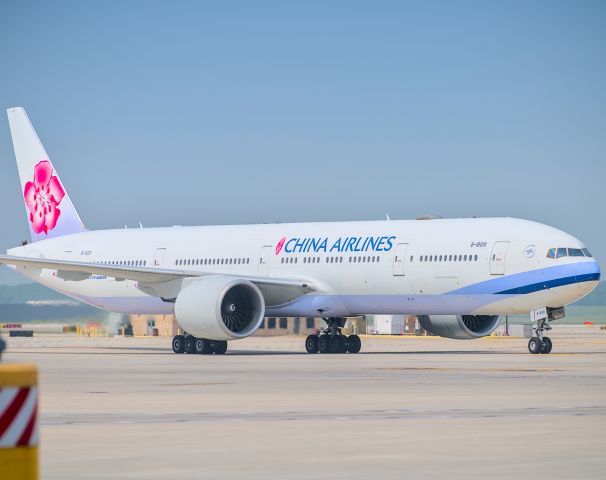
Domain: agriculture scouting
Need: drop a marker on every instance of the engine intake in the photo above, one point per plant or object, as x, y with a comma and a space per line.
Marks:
220, 308
461, 327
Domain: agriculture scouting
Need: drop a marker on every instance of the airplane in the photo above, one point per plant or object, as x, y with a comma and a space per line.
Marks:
459, 276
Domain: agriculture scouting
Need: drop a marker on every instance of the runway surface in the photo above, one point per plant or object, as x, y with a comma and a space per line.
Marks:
402, 408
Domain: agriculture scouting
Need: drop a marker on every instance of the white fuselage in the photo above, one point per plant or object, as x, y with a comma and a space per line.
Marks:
454, 266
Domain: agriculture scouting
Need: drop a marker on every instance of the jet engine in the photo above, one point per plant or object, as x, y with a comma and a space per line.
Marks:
220, 308
461, 327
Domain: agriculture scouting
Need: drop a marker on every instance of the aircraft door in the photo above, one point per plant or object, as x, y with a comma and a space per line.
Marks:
159, 257
264, 257
497, 258
399, 258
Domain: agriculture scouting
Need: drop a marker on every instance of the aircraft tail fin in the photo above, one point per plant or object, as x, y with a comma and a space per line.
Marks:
49, 209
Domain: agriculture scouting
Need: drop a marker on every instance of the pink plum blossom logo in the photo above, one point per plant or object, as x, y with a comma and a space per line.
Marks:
42, 196
280, 245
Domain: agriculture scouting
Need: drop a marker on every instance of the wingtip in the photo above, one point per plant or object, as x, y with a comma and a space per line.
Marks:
14, 110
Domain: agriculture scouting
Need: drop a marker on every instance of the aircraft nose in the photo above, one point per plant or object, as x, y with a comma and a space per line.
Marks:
587, 275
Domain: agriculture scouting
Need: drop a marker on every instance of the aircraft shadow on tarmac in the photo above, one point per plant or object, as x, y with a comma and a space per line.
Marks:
132, 350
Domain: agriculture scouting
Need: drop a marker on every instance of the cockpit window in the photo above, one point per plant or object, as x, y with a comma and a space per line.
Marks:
568, 252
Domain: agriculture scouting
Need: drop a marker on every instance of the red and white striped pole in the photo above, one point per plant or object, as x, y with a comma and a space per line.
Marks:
18, 421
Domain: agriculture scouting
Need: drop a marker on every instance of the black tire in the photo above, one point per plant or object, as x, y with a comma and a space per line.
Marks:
178, 344
323, 343
547, 345
534, 345
220, 347
336, 344
311, 344
202, 346
354, 344
190, 344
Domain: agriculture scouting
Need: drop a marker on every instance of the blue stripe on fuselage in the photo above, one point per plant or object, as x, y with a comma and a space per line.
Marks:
535, 280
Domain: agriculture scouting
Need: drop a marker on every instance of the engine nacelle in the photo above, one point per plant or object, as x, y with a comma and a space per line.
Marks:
220, 308
461, 327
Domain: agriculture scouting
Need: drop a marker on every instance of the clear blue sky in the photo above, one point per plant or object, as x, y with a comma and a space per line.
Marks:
244, 112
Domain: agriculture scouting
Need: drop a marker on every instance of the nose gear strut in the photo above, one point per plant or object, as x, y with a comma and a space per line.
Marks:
539, 343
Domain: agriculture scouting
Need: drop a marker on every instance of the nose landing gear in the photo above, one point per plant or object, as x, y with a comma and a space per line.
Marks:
331, 340
540, 343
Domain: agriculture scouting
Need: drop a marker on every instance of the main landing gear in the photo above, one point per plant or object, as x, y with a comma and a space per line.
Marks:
190, 344
540, 343
331, 340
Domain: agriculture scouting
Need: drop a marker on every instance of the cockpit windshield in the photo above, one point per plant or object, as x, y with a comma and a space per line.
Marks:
568, 252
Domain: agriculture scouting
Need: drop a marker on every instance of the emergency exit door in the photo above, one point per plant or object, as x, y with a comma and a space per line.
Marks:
399, 259
159, 257
497, 258
264, 257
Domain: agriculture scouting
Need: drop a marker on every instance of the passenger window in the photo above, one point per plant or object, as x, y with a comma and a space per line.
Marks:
575, 252
475, 258
561, 253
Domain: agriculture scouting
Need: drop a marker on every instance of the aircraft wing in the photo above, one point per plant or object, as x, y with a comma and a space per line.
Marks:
148, 277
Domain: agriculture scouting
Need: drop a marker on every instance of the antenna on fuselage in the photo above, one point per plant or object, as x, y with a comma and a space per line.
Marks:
387, 216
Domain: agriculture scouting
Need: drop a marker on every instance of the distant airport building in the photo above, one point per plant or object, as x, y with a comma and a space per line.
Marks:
394, 325
167, 326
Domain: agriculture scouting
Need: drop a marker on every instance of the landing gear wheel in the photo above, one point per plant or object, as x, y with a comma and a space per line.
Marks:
178, 344
547, 345
336, 344
220, 347
354, 344
190, 344
323, 343
311, 344
535, 345
202, 346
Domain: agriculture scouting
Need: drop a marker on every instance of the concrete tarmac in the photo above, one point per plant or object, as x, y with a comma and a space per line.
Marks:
402, 408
